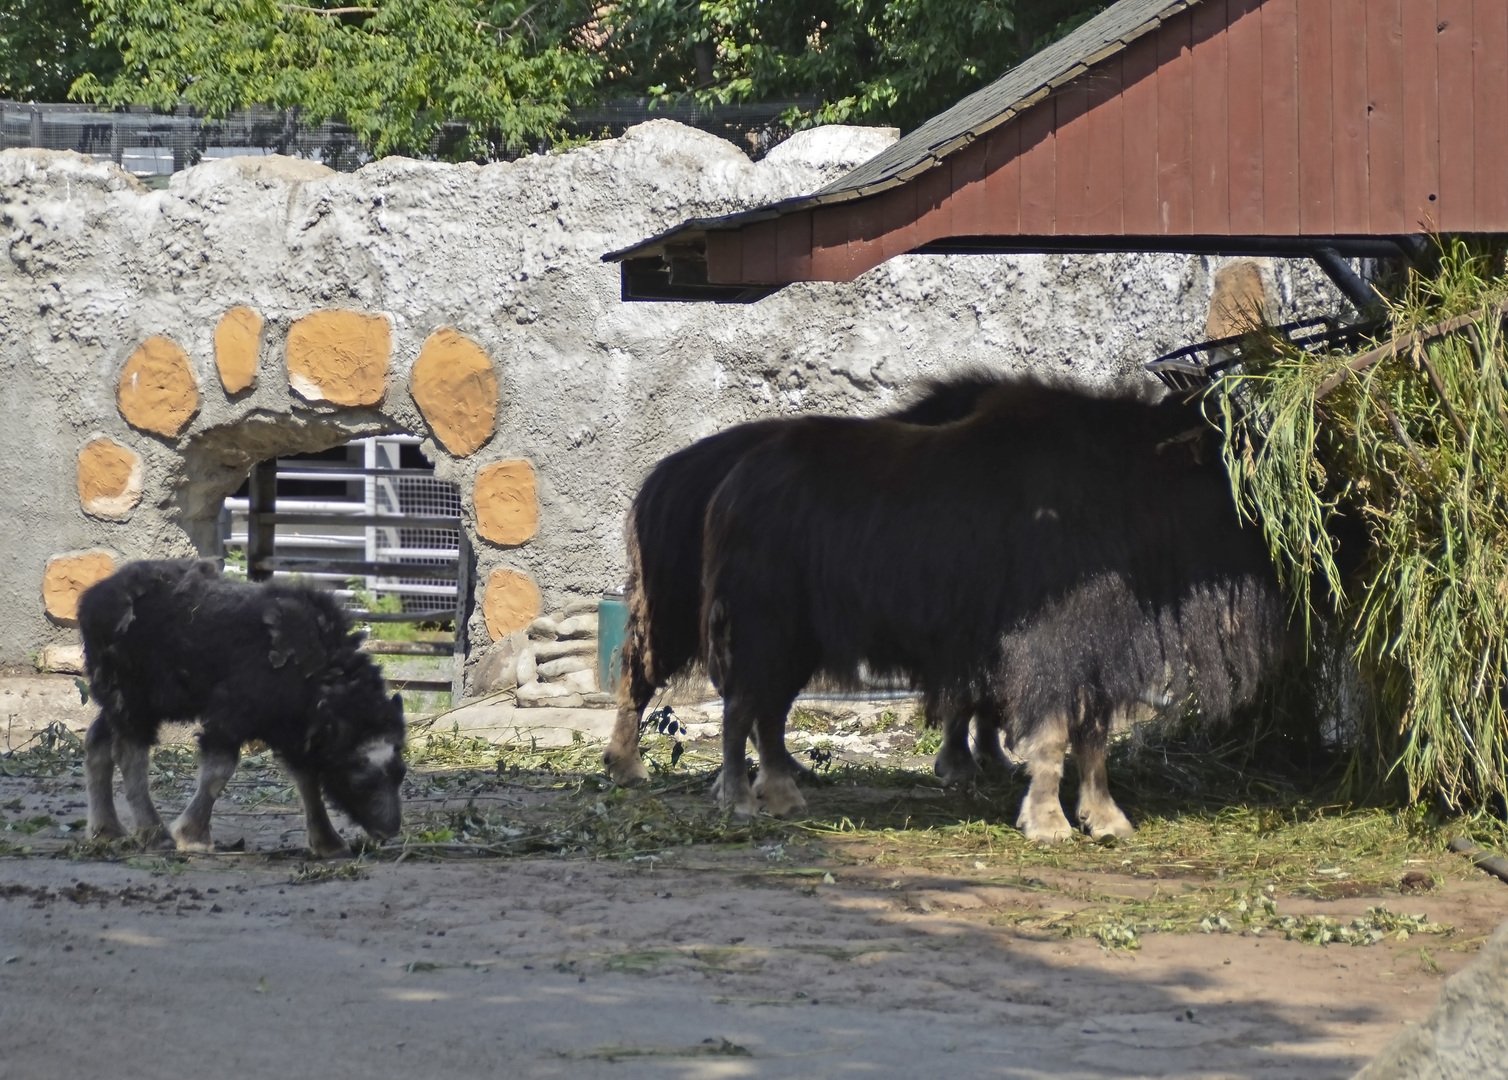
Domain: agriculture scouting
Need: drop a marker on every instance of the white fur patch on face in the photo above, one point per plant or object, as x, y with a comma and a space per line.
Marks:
379, 753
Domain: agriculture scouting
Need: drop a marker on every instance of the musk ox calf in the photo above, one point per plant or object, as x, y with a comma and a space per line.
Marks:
664, 591
1056, 556
171, 640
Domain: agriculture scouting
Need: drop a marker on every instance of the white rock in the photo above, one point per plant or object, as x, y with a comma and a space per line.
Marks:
578, 626
565, 665
61, 659
536, 695
543, 628
554, 650
583, 682
528, 669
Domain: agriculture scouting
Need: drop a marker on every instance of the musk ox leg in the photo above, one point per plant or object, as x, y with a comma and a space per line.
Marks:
132, 758
99, 774
775, 787
621, 758
1041, 817
732, 788
989, 725
955, 765
1097, 811
190, 831
324, 841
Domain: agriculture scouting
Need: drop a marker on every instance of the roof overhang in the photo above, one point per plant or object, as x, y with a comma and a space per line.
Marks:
677, 269
1158, 126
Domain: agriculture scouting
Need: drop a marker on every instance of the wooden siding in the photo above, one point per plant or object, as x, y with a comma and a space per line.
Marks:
1241, 118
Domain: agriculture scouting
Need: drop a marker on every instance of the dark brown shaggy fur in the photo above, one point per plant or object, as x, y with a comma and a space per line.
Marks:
663, 536
1057, 554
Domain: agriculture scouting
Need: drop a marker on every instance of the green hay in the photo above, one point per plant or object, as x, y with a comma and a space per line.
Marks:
1414, 450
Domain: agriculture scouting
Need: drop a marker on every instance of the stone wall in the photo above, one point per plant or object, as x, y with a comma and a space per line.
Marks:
155, 344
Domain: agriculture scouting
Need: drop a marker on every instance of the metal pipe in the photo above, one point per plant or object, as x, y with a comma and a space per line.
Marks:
1346, 279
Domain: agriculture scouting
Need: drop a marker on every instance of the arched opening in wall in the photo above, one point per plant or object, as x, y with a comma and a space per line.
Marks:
365, 517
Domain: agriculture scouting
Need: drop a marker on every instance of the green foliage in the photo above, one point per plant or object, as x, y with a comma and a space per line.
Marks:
386, 604
506, 72
1411, 452
855, 61
472, 79
45, 45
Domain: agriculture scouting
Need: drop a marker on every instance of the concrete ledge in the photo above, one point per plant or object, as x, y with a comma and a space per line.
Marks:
31, 703
501, 721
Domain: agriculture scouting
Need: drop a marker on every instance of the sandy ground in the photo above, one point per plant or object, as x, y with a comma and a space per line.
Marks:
712, 960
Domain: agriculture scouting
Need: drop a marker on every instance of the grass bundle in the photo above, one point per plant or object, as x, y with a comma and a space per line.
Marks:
1378, 480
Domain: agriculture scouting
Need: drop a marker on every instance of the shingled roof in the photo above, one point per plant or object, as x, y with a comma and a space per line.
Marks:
948, 132
987, 108
1319, 128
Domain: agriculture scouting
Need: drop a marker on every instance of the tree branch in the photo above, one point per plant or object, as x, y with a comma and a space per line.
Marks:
299, 9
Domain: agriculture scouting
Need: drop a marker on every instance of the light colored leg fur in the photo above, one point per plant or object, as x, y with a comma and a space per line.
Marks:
191, 829
777, 793
624, 766
133, 758
99, 777
324, 841
1041, 817
1097, 810
732, 789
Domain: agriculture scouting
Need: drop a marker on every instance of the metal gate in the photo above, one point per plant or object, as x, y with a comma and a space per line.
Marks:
385, 537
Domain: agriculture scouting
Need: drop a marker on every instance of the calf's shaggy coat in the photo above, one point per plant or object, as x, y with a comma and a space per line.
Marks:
1055, 555
170, 640
664, 591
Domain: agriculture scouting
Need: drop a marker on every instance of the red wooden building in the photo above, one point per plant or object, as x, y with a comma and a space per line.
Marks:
1298, 128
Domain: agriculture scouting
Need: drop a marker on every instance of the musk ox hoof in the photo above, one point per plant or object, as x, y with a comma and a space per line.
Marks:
1104, 826
154, 836
737, 799
190, 836
1045, 828
954, 770
625, 769
337, 849
111, 830
778, 796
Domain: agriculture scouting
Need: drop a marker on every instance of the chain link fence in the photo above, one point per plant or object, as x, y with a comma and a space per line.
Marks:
152, 144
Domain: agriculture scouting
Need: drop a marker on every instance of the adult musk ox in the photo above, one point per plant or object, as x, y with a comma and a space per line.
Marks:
1055, 555
171, 640
664, 595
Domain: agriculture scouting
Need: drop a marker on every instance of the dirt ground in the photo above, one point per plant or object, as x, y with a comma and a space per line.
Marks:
534, 922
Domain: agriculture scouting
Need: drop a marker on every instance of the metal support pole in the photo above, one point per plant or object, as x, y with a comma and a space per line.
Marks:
261, 530
1346, 279
465, 604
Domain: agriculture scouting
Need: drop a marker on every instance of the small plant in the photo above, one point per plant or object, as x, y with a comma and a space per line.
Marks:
314, 873
1405, 447
386, 604
235, 564
664, 722
929, 741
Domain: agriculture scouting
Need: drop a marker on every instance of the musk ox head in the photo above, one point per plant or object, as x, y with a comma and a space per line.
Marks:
362, 769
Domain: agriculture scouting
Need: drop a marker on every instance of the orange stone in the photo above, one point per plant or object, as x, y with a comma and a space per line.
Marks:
157, 390
340, 357
509, 603
455, 387
1239, 302
238, 347
109, 479
507, 502
66, 578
